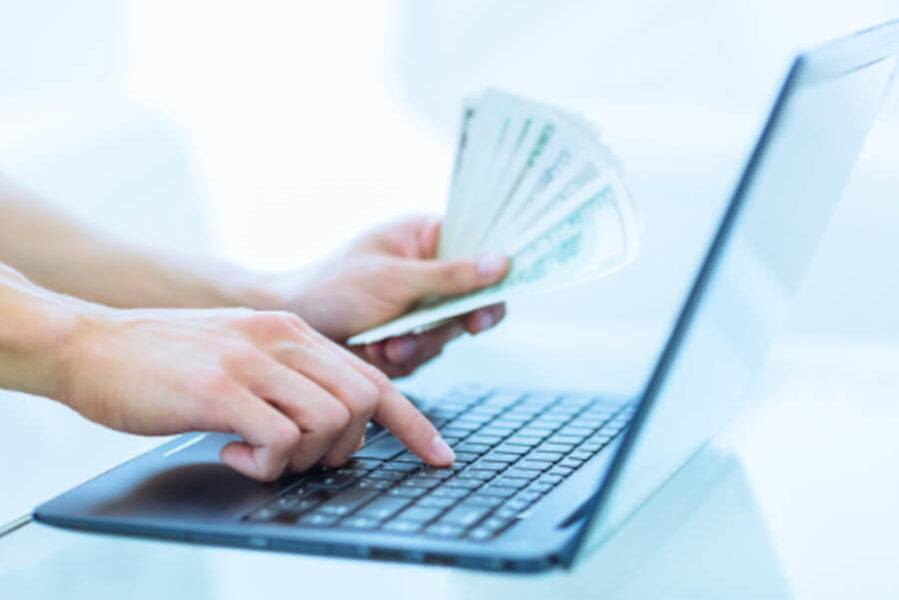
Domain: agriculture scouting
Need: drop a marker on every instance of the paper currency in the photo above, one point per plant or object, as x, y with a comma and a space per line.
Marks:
535, 183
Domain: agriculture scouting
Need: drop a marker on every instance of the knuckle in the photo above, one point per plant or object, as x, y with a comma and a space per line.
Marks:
459, 274
362, 400
286, 436
215, 384
274, 324
334, 419
238, 356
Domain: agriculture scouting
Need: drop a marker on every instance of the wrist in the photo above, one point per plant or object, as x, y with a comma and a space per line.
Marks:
37, 332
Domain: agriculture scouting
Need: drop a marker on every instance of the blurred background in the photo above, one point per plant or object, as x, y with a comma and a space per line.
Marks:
271, 132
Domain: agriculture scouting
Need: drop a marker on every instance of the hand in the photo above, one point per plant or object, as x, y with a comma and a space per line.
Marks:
295, 397
379, 277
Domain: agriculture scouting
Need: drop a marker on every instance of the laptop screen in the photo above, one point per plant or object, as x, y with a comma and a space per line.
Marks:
754, 266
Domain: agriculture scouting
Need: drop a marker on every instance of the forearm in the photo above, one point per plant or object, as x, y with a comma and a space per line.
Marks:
36, 326
59, 253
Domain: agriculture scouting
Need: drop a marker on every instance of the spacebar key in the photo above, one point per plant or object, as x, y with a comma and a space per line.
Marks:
384, 448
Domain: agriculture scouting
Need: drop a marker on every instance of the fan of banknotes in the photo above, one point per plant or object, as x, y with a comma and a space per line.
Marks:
534, 182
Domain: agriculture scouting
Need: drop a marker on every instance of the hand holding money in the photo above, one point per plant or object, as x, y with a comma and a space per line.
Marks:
534, 183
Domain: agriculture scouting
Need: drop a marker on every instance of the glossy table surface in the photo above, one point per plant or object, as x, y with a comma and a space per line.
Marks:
794, 500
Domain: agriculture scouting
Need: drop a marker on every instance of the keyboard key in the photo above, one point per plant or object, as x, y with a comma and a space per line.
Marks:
487, 440
420, 514
517, 504
310, 501
402, 527
374, 484
471, 420
434, 473
497, 431
444, 530
561, 470
473, 448
475, 474
407, 456
550, 479
359, 523
551, 447
545, 456
490, 465
387, 474
502, 457
581, 455
507, 448
538, 432
347, 501
564, 409
405, 467
466, 457
330, 480
363, 463
580, 432
573, 463
421, 483
523, 412
263, 514
565, 439
524, 440
495, 523
504, 514
517, 471
453, 492
498, 492
528, 496
318, 520
551, 418
540, 488
486, 501
536, 465
516, 483
443, 412
384, 448
383, 507
485, 409
406, 492
285, 502
432, 501
456, 432
351, 471
464, 515
507, 420
480, 534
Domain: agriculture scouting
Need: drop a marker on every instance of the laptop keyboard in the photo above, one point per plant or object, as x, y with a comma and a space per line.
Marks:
512, 448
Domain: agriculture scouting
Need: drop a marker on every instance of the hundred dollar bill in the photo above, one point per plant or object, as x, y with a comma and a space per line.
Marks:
596, 238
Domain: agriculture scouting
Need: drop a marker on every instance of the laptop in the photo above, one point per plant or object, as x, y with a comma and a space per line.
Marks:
543, 477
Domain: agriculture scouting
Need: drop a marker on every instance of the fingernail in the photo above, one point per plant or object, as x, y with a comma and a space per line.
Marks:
491, 265
442, 452
485, 320
403, 349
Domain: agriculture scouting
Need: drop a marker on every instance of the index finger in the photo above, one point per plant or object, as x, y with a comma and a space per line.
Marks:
402, 419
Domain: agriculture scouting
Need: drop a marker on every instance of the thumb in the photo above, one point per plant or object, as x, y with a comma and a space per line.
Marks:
450, 277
